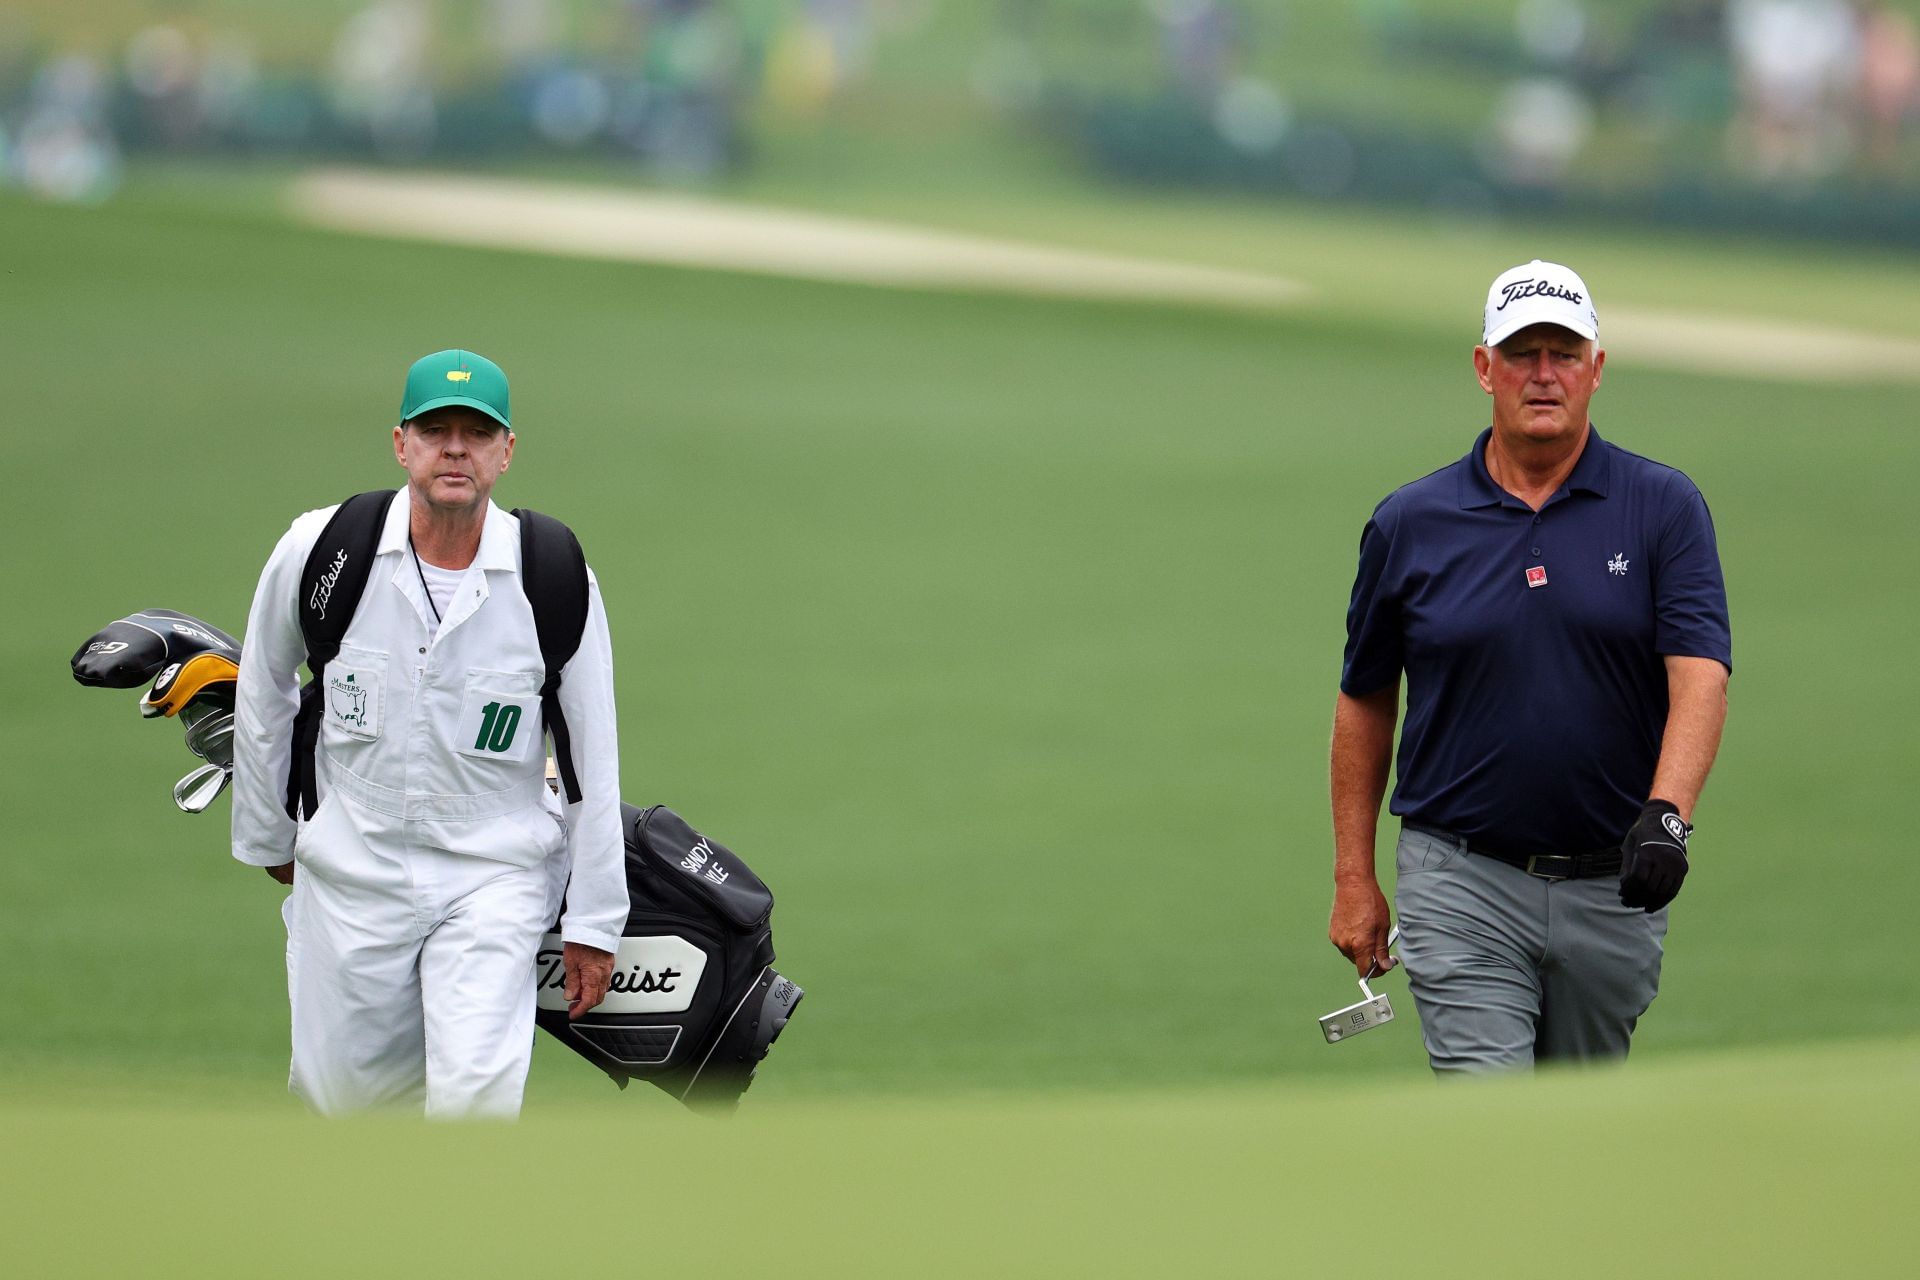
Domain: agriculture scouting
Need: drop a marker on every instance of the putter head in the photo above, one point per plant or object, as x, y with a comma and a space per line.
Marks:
1355, 1018
1369, 1013
201, 788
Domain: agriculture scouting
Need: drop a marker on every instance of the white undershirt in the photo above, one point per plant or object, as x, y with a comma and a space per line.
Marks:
441, 584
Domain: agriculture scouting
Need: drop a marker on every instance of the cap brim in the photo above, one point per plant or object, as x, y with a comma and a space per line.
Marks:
1514, 324
469, 401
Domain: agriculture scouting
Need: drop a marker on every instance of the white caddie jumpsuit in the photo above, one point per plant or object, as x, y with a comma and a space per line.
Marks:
438, 857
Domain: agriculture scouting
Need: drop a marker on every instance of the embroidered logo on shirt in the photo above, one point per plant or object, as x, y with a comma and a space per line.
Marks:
349, 701
1618, 565
1536, 576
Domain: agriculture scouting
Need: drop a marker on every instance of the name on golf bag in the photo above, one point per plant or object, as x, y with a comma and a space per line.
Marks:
653, 974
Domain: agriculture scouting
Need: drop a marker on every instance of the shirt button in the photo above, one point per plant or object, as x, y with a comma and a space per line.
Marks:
423, 650
1536, 551
1536, 519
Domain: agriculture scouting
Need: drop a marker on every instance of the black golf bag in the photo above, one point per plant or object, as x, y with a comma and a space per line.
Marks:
695, 1001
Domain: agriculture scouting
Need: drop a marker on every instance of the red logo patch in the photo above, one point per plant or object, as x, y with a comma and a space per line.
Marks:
1537, 576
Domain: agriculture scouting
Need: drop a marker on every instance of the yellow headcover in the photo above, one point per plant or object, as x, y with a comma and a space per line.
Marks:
180, 684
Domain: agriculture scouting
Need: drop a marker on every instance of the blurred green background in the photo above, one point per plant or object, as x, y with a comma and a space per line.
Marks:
1000, 634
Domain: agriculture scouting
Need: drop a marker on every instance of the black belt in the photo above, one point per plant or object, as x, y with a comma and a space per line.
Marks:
1548, 866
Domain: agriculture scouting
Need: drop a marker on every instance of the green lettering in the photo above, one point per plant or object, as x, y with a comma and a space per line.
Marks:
504, 727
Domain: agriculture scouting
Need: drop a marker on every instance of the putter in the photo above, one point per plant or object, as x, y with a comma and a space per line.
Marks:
1364, 1016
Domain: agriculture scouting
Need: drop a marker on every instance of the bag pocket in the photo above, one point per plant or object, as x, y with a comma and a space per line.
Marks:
671, 851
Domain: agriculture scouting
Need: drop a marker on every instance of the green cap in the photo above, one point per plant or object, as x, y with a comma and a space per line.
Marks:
456, 377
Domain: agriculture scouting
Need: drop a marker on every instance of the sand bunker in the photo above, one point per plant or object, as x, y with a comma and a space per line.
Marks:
690, 231
1751, 347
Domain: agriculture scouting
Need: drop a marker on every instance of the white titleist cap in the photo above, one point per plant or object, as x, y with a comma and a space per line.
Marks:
1539, 293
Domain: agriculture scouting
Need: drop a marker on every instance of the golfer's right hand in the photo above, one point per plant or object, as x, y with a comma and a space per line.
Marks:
283, 873
1360, 925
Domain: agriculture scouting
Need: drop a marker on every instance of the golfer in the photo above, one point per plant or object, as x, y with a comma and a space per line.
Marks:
437, 856
1556, 605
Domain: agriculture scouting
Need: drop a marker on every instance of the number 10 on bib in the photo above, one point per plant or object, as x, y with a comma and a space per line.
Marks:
497, 725
490, 726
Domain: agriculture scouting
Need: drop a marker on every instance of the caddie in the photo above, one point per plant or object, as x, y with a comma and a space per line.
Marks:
1555, 603
429, 855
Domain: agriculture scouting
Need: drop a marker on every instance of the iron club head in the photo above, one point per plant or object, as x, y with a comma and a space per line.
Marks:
201, 788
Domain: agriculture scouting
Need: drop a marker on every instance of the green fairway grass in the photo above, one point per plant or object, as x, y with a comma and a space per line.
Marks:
999, 635
1786, 1164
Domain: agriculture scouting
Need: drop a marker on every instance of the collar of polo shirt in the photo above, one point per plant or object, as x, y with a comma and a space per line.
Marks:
1590, 473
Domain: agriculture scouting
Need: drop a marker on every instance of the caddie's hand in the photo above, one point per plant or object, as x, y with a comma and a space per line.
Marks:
588, 970
1653, 858
1360, 925
283, 873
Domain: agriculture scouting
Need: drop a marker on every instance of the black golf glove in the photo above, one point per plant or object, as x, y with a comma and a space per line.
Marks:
1653, 858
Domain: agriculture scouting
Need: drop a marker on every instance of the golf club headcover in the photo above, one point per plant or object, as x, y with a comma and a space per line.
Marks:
195, 669
204, 679
695, 1001
132, 650
1653, 858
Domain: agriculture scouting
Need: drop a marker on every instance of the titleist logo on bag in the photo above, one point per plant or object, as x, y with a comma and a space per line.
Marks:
323, 589
655, 974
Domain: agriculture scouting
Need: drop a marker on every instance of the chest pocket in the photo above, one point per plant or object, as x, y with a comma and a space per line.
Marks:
500, 716
353, 692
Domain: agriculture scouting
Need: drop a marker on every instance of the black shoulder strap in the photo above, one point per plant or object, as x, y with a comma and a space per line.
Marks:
331, 584
553, 573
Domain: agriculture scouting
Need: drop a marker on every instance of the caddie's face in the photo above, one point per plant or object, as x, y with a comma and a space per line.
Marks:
1541, 380
453, 456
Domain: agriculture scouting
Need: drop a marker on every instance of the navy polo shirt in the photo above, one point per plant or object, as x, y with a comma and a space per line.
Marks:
1532, 642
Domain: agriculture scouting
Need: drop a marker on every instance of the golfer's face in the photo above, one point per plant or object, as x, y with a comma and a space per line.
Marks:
453, 456
1541, 380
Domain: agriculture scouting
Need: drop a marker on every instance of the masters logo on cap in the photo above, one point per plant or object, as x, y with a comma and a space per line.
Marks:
456, 377
1539, 293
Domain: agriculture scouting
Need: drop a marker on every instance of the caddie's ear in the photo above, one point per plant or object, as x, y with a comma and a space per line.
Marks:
399, 449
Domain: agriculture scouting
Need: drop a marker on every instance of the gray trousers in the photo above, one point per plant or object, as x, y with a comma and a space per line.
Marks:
1508, 969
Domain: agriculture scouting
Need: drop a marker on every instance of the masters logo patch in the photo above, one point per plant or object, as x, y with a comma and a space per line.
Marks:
353, 702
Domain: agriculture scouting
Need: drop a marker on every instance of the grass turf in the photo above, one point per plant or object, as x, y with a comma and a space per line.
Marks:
1000, 635
1761, 1165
